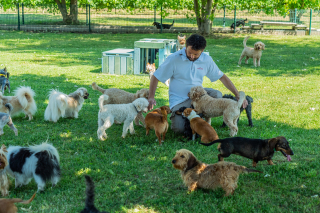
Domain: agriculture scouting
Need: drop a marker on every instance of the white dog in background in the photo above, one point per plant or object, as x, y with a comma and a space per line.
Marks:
120, 113
250, 52
40, 162
63, 105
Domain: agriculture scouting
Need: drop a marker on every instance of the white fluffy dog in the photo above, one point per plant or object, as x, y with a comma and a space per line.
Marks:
250, 52
22, 102
40, 162
120, 113
63, 105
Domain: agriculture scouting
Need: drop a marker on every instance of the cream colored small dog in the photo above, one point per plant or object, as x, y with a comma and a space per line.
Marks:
118, 96
196, 174
214, 107
120, 113
250, 52
22, 102
4, 182
181, 42
63, 105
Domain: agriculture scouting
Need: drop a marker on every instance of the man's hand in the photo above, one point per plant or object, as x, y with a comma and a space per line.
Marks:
245, 102
152, 103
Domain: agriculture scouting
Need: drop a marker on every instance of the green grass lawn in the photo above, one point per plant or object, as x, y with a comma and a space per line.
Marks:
135, 174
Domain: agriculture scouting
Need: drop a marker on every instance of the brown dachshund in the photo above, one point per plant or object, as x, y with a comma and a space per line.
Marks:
157, 120
7, 205
255, 149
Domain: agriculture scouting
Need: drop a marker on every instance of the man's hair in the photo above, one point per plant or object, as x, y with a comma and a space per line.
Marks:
197, 42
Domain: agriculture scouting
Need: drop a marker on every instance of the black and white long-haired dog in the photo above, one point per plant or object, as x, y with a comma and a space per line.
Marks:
90, 208
40, 162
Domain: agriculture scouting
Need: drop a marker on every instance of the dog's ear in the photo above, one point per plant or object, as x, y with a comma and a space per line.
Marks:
192, 162
80, 92
4, 148
273, 142
263, 46
5, 69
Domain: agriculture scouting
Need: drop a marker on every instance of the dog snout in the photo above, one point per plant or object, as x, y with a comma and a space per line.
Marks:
291, 152
173, 161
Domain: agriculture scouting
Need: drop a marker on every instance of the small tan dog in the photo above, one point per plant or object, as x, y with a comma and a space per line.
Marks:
4, 182
250, 52
196, 174
157, 120
151, 68
199, 126
22, 102
63, 105
7, 205
215, 107
181, 42
118, 96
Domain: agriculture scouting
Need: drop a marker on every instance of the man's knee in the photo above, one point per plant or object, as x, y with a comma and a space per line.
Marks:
177, 124
214, 93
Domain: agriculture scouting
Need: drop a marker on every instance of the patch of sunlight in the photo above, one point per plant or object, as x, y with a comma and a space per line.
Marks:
138, 208
127, 183
114, 41
151, 158
86, 171
293, 165
116, 163
65, 134
164, 158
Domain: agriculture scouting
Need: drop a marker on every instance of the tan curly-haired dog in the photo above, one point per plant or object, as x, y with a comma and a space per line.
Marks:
215, 107
196, 174
118, 96
250, 52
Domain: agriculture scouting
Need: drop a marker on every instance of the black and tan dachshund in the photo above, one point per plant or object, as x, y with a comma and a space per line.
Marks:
238, 23
164, 26
255, 149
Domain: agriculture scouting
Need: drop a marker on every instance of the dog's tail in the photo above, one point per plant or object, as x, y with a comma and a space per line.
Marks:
25, 97
18, 200
172, 23
95, 86
241, 99
245, 41
89, 192
102, 98
213, 142
9, 106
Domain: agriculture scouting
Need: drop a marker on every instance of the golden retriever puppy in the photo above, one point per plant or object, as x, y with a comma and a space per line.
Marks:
118, 96
196, 174
250, 52
22, 101
63, 105
215, 107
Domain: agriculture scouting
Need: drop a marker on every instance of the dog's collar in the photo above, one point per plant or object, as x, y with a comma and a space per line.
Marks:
2, 75
136, 108
194, 165
193, 116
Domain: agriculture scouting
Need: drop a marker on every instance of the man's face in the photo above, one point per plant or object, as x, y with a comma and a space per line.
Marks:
192, 54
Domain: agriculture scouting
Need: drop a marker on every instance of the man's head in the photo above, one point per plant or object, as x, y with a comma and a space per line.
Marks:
195, 46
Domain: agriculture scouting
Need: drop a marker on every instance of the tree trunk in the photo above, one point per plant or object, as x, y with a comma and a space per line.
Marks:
203, 16
71, 18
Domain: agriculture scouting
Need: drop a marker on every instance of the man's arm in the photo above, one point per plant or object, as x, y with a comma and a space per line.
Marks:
230, 86
152, 90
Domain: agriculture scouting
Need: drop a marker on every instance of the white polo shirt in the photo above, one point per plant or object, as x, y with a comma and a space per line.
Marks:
185, 74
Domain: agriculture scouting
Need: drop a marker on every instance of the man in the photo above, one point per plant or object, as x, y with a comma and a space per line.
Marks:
186, 68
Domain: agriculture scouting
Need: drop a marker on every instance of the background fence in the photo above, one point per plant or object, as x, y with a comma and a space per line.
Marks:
140, 20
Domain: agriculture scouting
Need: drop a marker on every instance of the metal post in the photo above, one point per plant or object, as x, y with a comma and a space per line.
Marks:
161, 19
86, 14
18, 17
155, 14
224, 15
295, 15
234, 20
89, 19
310, 21
22, 13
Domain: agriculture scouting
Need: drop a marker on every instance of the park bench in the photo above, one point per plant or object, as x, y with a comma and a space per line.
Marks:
294, 26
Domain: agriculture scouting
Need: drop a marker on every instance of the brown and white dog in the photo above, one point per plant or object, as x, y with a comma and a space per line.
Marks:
196, 174
22, 102
157, 120
151, 68
250, 52
199, 126
181, 42
7, 205
4, 182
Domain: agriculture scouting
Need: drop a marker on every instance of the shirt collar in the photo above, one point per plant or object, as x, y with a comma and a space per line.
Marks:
184, 55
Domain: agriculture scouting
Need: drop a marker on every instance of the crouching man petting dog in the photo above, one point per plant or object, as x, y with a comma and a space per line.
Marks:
185, 69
